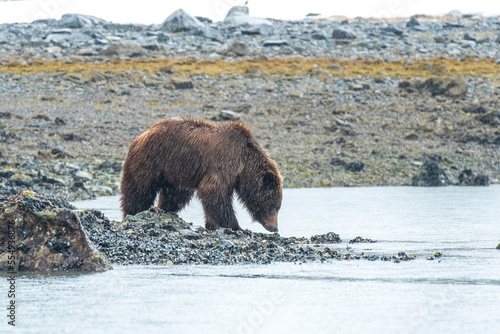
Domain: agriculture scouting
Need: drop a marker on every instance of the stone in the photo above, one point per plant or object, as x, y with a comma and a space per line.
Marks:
182, 83
431, 176
43, 237
475, 109
180, 21
209, 32
319, 35
336, 161
491, 118
77, 21
238, 16
390, 29
76, 37
356, 166
344, 34
124, 48
240, 49
469, 178
258, 29
237, 10
455, 14
412, 23
204, 19
452, 87
279, 42
470, 37
229, 115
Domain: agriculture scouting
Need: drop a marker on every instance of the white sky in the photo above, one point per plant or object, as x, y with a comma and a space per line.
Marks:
156, 11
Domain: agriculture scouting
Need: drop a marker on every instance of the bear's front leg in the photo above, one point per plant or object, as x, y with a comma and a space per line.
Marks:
217, 206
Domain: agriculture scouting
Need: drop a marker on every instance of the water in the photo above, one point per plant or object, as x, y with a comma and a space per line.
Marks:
458, 293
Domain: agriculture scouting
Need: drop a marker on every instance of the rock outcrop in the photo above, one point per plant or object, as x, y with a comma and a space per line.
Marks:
431, 176
37, 236
469, 178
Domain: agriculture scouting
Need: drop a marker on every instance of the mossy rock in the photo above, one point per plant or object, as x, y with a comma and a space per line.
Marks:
38, 236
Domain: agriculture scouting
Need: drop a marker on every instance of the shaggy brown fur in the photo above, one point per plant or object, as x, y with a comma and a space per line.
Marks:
175, 158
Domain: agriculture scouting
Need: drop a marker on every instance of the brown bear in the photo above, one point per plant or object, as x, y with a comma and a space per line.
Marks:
177, 157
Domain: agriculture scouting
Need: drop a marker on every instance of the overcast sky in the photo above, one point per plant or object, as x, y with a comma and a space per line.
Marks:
155, 11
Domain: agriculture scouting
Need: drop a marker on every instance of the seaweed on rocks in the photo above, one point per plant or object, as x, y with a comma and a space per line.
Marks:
156, 237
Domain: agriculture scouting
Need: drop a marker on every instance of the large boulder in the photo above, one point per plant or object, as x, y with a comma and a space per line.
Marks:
238, 16
343, 34
180, 21
431, 176
37, 236
77, 21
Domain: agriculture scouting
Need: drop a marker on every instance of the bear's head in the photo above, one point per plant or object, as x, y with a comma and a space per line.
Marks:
262, 194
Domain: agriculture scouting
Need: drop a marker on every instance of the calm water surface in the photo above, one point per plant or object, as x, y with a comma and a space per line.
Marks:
460, 293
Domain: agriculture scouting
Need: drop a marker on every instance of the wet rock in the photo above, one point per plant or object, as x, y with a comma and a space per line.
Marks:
180, 21
469, 178
344, 34
43, 237
453, 87
359, 239
328, 238
431, 176
356, 166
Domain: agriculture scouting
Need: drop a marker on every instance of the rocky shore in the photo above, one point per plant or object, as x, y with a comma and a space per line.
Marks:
335, 102
39, 236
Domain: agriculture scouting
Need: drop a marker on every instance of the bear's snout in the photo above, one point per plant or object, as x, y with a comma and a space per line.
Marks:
272, 224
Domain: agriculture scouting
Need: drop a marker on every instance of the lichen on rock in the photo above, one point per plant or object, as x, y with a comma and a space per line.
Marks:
39, 237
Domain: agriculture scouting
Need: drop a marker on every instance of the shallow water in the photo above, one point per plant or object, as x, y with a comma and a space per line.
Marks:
458, 293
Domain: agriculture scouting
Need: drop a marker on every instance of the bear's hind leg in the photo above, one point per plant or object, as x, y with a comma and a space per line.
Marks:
173, 199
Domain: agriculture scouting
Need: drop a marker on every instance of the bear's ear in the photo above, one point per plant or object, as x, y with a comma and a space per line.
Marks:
270, 180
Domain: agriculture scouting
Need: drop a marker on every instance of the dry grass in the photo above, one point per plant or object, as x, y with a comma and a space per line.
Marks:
287, 67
